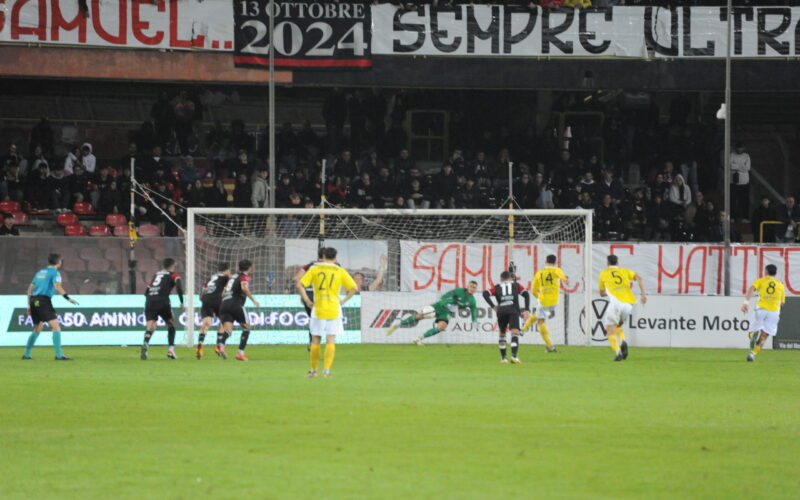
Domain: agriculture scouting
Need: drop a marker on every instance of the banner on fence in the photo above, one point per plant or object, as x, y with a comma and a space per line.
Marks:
667, 268
308, 34
119, 320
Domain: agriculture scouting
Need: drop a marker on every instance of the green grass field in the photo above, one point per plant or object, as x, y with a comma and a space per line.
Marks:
401, 422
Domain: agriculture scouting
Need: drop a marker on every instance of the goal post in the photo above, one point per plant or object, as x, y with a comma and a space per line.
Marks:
401, 259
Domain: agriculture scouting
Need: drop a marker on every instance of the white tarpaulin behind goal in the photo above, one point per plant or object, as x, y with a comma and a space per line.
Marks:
375, 245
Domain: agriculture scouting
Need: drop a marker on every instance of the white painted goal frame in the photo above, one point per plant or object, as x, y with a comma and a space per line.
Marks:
322, 214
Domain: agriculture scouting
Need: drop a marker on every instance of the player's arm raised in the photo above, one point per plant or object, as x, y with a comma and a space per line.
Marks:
247, 293
747, 297
642, 292
59, 289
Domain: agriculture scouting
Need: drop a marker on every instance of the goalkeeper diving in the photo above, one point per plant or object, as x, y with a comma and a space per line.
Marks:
442, 311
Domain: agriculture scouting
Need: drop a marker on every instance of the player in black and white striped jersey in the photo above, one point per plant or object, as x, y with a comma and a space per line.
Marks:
211, 297
507, 294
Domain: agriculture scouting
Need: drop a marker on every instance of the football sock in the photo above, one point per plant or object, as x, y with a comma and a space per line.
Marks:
314, 355
514, 346
502, 347
529, 323
430, 333
29, 345
222, 337
408, 320
612, 341
545, 333
756, 349
621, 334
202, 338
147, 335
57, 343
243, 340
330, 353
171, 337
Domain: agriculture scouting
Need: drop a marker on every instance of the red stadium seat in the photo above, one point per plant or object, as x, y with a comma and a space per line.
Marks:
83, 208
149, 230
20, 219
9, 207
75, 230
115, 220
99, 230
66, 219
121, 231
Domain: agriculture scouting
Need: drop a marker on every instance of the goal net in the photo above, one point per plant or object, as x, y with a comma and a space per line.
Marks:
402, 261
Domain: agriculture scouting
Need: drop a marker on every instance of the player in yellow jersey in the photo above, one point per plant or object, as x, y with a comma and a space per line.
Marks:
327, 279
546, 288
771, 296
615, 283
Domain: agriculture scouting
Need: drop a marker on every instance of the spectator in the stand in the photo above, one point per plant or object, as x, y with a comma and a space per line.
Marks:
371, 164
193, 194
479, 168
163, 116
545, 198
8, 228
314, 188
240, 165
14, 184
698, 203
764, 212
152, 165
458, 163
334, 111
357, 109
110, 199
658, 187
38, 159
89, 159
467, 195
444, 186
42, 135
594, 166
101, 182
288, 148
79, 184
362, 192
668, 172
187, 171
704, 220
124, 181
564, 170
403, 163
132, 155
283, 191
74, 157
715, 218
216, 195
680, 195
658, 217
740, 183
501, 168
585, 201
525, 191
300, 182
386, 189
610, 186
345, 166
336, 191
416, 196
259, 197
145, 138
59, 190
588, 185
789, 214
242, 192
37, 196
184, 112
609, 223
15, 158
635, 215
173, 226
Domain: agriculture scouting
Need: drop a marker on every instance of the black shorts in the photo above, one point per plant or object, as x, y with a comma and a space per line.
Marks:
42, 309
311, 298
210, 308
231, 311
153, 309
507, 319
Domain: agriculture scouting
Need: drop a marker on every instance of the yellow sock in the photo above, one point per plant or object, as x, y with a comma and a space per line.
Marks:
612, 341
545, 333
529, 323
314, 356
756, 349
330, 353
621, 334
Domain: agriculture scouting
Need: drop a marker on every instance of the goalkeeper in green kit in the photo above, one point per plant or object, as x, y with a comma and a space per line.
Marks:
442, 311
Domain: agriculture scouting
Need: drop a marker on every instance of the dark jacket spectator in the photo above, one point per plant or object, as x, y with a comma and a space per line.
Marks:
132, 155
526, 192
58, 187
79, 184
444, 187
345, 166
336, 191
110, 200
565, 170
242, 192
608, 220
216, 195
764, 212
416, 196
789, 214
658, 216
193, 193
404, 162
386, 189
363, 193
283, 191
610, 186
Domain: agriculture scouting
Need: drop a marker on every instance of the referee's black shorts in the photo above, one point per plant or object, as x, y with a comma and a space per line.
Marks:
42, 309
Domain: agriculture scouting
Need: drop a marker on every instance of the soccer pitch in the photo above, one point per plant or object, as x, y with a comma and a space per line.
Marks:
401, 422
